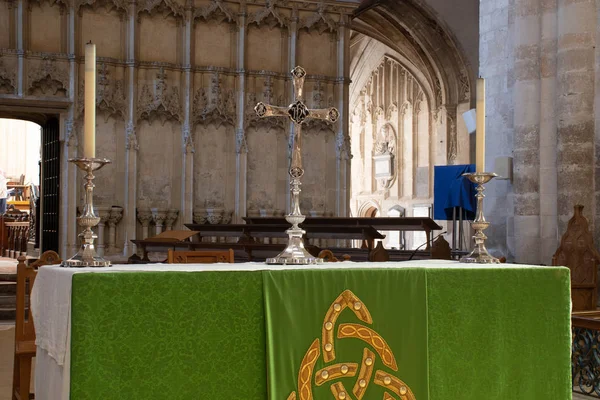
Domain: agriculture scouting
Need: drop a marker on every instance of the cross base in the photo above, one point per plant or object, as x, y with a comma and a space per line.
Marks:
295, 253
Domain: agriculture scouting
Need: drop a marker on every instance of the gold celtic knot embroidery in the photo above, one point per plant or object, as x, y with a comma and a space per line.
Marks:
362, 374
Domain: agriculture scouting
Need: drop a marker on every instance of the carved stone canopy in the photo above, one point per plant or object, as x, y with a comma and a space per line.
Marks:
50, 77
159, 101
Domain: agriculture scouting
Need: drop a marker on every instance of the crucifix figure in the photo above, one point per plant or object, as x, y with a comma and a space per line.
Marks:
298, 113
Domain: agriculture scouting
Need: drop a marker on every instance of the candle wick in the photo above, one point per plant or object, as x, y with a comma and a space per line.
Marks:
90, 42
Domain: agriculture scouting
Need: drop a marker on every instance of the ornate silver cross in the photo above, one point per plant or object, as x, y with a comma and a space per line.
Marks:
298, 113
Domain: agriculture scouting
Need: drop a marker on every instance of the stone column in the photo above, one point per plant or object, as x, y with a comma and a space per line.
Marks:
187, 161
497, 32
69, 181
575, 109
343, 148
144, 216
21, 14
241, 160
116, 213
104, 214
131, 140
549, 233
159, 217
171, 218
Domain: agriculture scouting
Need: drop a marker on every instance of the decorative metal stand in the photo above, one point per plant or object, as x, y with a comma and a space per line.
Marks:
87, 257
298, 113
480, 254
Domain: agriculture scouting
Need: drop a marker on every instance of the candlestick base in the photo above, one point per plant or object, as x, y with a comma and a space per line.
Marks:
295, 253
86, 256
480, 255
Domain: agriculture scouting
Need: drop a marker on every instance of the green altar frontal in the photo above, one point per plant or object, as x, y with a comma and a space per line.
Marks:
421, 333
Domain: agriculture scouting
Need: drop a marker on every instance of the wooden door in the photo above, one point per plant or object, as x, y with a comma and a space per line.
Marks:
50, 185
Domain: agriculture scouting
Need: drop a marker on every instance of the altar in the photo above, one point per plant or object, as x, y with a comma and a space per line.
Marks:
420, 330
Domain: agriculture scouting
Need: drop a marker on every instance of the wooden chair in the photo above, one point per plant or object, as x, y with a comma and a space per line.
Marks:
24, 328
578, 253
328, 256
200, 257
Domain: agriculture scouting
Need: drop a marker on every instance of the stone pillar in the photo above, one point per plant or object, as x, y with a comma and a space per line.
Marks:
144, 216
527, 132
187, 161
549, 233
575, 108
497, 32
159, 217
241, 148
131, 140
343, 148
116, 213
21, 14
69, 182
171, 218
104, 214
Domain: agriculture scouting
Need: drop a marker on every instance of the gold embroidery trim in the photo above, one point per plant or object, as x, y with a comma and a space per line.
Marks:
387, 396
334, 372
394, 384
351, 301
364, 376
306, 371
292, 396
340, 392
371, 337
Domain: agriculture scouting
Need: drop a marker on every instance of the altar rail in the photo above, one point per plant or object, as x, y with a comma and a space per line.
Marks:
585, 358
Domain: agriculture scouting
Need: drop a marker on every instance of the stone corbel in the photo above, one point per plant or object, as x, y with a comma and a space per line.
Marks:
115, 216
104, 214
159, 217
145, 217
171, 218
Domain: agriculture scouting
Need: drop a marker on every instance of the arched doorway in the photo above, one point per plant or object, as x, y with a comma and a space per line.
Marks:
30, 155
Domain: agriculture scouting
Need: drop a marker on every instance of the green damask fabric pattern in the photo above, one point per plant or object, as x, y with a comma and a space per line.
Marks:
499, 333
296, 303
456, 333
168, 335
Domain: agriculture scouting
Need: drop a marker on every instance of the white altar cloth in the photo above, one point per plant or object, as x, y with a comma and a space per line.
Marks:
51, 308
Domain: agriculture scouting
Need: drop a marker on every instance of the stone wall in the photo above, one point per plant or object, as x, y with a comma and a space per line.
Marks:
540, 60
176, 86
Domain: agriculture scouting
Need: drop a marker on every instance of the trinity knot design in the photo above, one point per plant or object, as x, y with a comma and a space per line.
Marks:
361, 375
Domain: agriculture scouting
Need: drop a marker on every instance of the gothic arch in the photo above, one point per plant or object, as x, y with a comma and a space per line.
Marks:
369, 209
412, 29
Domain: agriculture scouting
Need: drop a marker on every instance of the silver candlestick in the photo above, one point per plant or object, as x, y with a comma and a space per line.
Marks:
87, 257
298, 113
480, 254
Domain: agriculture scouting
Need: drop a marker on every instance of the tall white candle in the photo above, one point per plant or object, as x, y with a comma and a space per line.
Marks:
480, 133
89, 134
